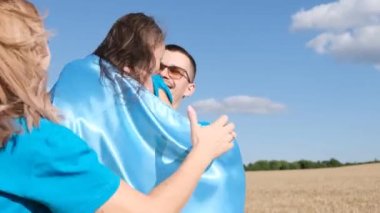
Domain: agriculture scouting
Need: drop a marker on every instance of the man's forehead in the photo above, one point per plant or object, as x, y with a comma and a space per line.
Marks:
178, 59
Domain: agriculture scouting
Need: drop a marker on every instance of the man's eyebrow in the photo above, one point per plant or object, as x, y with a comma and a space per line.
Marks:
174, 66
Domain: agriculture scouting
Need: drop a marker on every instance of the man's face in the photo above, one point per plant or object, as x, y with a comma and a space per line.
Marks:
178, 74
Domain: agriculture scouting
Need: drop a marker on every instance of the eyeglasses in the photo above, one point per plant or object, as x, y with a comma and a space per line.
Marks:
175, 72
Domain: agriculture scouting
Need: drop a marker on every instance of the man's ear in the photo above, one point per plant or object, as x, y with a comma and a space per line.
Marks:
189, 90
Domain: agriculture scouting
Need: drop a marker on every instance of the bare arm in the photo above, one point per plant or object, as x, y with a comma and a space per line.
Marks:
172, 194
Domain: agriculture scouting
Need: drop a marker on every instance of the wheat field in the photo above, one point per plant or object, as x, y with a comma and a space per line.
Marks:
344, 189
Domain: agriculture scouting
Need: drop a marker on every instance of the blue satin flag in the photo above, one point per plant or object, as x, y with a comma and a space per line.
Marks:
139, 137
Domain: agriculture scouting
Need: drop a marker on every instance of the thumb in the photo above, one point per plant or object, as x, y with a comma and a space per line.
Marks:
192, 117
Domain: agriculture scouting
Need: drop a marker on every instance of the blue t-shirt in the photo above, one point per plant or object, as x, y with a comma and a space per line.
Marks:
50, 169
159, 84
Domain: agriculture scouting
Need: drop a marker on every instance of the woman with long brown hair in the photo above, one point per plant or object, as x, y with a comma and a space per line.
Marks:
44, 166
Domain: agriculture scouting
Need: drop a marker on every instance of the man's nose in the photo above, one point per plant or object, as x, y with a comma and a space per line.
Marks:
165, 73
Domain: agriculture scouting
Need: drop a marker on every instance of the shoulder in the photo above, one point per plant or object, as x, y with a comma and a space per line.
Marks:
86, 61
78, 66
50, 129
62, 165
45, 144
77, 81
51, 137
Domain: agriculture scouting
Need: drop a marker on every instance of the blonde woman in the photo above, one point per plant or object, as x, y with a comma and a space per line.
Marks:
44, 166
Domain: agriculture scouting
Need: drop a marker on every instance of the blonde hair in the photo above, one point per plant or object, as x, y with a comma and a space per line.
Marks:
23, 49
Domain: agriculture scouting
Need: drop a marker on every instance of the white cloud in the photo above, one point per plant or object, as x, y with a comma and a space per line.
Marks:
239, 104
349, 29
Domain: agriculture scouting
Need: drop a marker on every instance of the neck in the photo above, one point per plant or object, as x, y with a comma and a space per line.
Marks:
176, 104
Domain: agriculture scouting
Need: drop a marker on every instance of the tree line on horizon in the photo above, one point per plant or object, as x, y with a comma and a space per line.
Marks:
266, 165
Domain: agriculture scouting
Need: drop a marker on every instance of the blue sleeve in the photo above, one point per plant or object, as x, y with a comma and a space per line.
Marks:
159, 84
67, 176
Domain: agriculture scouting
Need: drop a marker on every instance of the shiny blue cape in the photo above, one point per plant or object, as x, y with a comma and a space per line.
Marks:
139, 137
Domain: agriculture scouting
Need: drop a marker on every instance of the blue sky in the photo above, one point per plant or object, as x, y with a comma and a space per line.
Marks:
301, 79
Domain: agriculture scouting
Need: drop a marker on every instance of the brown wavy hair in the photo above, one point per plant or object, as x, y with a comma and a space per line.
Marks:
23, 61
130, 43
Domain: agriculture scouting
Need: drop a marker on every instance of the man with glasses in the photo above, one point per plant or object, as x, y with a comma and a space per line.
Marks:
177, 69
